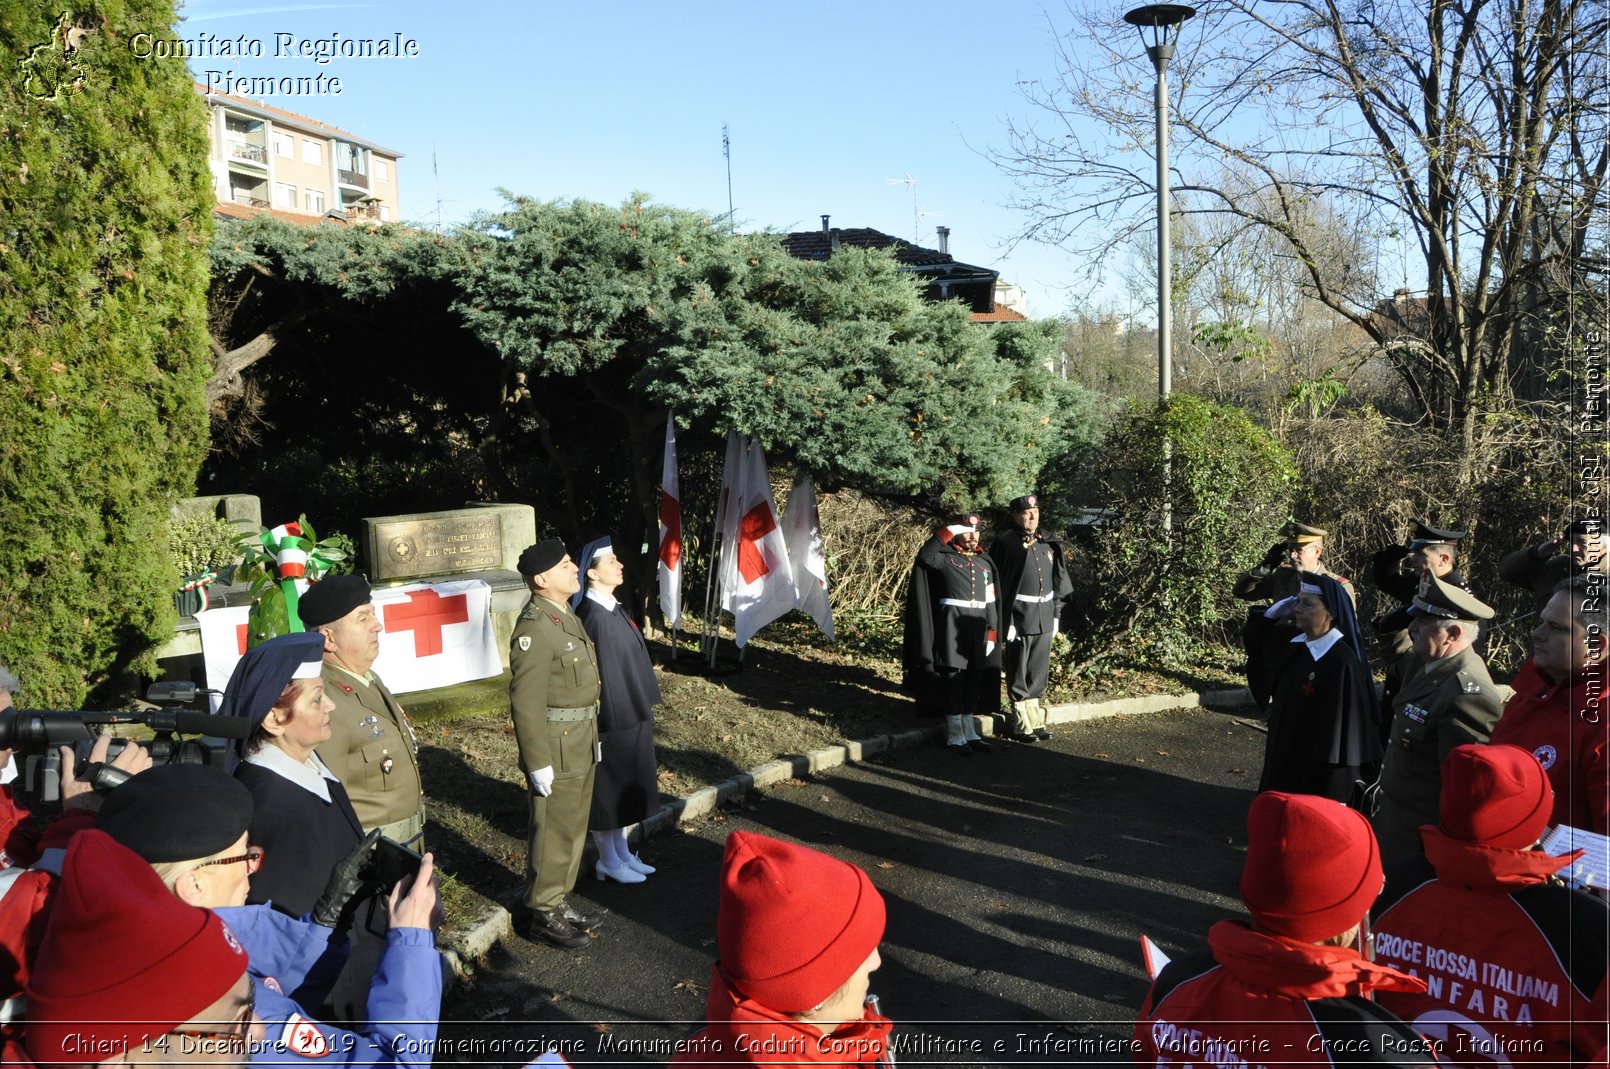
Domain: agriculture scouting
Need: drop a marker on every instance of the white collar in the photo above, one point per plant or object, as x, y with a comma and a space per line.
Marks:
606, 600
1320, 646
310, 775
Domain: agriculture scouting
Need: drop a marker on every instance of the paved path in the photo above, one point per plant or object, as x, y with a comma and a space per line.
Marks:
1017, 884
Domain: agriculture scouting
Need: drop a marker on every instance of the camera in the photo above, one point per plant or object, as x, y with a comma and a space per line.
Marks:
36, 734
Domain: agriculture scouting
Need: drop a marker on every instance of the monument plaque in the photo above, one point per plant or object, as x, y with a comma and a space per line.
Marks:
460, 541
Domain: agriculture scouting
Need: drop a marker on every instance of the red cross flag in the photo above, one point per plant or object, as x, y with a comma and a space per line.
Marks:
435, 635
757, 584
670, 531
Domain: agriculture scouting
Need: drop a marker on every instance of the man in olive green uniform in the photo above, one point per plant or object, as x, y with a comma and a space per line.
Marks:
372, 748
1447, 700
554, 701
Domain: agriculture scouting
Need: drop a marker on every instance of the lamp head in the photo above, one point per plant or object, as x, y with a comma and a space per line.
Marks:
1159, 26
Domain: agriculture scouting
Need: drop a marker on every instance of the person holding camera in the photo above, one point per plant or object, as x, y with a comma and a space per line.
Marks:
23, 839
302, 817
128, 974
191, 822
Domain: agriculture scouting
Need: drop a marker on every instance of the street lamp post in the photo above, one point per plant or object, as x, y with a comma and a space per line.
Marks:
1159, 26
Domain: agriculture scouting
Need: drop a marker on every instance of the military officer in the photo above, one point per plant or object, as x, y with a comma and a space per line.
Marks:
1398, 571
372, 747
1034, 586
554, 701
1275, 578
1447, 701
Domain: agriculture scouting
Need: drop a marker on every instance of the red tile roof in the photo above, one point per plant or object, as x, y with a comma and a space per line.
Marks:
231, 210
1002, 314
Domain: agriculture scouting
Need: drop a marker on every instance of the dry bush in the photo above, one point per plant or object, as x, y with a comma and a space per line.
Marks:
870, 549
1366, 478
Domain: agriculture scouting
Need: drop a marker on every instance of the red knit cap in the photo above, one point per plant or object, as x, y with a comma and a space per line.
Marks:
794, 924
122, 960
1494, 795
1313, 868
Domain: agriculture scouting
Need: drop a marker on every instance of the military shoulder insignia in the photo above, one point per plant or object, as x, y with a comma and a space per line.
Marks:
525, 643
1472, 687
344, 686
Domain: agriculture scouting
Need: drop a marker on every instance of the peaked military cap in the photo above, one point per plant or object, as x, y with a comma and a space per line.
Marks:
1426, 535
1447, 602
1024, 503
1301, 532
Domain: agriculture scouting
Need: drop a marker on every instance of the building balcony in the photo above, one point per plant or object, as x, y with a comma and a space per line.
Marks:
354, 179
248, 152
248, 201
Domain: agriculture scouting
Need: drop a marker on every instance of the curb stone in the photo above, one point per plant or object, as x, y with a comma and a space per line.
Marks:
472, 943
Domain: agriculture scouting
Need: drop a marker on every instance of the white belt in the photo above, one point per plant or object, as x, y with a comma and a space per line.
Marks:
13, 1009
958, 603
1036, 599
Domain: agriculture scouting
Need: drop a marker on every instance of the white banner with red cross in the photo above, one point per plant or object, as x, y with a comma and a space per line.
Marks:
436, 634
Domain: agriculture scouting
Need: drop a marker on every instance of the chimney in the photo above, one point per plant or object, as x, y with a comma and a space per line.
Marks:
1400, 296
944, 239
825, 218
834, 237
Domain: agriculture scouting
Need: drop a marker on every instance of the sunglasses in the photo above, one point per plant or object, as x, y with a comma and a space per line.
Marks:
254, 857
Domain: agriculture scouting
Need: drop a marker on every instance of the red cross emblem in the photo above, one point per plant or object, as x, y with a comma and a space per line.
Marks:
756, 524
425, 613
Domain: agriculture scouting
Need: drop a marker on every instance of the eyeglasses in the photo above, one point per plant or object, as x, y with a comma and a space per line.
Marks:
237, 1035
254, 857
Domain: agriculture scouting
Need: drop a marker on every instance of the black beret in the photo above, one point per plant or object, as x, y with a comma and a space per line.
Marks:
963, 520
1024, 503
177, 812
540, 557
332, 598
262, 675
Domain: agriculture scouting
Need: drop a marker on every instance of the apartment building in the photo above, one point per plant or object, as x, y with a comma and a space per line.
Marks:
267, 159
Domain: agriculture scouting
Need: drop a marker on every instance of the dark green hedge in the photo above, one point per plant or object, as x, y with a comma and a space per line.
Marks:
105, 216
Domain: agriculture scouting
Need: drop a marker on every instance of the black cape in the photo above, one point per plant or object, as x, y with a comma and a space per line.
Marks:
939, 638
626, 790
1322, 731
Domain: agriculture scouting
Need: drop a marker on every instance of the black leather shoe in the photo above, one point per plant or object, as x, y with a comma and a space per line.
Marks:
980, 745
959, 748
1041, 733
580, 918
1025, 737
550, 927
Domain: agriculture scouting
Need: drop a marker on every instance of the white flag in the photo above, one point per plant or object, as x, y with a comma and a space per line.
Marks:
757, 585
435, 635
802, 533
670, 531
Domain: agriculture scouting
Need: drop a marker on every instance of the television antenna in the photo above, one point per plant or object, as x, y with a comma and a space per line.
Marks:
918, 213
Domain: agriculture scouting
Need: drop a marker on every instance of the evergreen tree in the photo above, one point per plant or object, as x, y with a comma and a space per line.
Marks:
104, 221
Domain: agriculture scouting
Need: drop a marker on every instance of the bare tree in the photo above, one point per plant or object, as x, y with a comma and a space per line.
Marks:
1469, 134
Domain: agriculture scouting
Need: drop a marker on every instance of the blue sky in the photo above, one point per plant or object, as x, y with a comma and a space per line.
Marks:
825, 102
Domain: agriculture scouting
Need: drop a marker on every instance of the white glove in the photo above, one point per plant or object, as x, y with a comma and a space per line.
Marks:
1056, 627
1011, 632
542, 781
